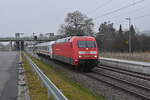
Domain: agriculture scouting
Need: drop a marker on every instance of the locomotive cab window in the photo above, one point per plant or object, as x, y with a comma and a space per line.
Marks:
86, 44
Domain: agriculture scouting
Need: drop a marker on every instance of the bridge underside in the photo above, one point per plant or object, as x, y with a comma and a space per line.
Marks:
14, 45
19, 45
19, 42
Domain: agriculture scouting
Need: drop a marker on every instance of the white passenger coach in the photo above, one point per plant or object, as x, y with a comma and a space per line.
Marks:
45, 48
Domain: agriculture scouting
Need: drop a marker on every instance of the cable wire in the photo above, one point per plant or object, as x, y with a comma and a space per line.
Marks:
133, 11
100, 6
114, 11
134, 18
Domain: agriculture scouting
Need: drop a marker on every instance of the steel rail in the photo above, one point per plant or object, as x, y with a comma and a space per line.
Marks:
124, 81
120, 87
52, 89
126, 72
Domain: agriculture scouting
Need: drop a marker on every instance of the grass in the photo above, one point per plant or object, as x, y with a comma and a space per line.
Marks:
35, 89
71, 89
137, 56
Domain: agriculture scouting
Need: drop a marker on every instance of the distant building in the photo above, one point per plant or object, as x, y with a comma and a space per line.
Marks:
17, 35
50, 34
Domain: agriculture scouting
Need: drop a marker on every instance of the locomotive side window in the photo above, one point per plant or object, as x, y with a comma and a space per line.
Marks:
86, 44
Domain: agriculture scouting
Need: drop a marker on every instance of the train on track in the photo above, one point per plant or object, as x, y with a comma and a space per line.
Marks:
80, 51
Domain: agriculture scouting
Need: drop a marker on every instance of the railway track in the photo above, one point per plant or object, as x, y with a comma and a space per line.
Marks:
131, 87
122, 87
110, 75
126, 72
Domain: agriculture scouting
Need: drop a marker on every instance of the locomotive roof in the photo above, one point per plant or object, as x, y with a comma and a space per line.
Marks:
46, 43
82, 37
67, 39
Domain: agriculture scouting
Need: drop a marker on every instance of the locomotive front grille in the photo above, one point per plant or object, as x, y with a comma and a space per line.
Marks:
88, 61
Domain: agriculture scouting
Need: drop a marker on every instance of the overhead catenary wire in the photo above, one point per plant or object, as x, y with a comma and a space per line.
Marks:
119, 9
100, 6
138, 17
134, 18
133, 11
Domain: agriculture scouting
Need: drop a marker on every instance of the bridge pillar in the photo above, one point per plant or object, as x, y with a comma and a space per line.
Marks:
11, 46
22, 45
16, 45
19, 45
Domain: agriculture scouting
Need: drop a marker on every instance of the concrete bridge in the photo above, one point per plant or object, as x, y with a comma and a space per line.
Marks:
20, 42
7, 39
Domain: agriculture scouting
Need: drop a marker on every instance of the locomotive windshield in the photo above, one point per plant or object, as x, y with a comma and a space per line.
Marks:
86, 44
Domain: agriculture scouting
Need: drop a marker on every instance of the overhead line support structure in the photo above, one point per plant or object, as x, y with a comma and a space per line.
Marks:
130, 45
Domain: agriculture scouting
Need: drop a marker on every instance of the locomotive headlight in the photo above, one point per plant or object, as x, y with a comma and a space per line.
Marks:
95, 56
80, 56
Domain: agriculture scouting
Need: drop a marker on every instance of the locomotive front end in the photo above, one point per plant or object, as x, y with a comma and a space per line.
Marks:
87, 53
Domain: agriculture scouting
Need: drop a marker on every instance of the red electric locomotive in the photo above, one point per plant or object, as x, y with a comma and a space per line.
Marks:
80, 51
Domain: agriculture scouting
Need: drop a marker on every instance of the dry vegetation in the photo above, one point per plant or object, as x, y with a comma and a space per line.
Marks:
138, 56
35, 89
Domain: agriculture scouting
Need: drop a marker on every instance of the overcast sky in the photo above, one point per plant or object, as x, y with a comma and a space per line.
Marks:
43, 16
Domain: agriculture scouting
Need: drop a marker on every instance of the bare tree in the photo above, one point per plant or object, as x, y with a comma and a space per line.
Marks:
77, 23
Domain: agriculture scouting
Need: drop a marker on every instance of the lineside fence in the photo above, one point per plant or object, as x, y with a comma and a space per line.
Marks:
53, 91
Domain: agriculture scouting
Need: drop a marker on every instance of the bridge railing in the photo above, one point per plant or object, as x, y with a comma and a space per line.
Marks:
27, 39
52, 38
